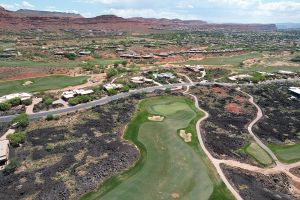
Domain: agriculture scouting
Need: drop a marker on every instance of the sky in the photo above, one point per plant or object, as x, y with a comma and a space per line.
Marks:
235, 11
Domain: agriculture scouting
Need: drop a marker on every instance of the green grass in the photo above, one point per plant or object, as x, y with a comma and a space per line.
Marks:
167, 164
228, 60
41, 84
76, 63
286, 153
261, 156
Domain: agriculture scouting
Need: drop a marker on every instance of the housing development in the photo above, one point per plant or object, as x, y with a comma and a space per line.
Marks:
142, 108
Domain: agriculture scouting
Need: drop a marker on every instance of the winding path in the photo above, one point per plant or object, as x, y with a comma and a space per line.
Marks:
280, 167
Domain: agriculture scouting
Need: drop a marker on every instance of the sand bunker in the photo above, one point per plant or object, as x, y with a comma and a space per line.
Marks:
156, 118
27, 83
187, 137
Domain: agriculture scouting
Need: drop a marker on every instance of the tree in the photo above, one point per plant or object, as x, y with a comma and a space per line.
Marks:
125, 88
5, 106
27, 102
70, 56
15, 101
17, 138
124, 62
112, 92
111, 73
22, 120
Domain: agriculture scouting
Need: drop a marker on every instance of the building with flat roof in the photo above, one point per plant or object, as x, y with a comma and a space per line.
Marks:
4, 153
73, 93
112, 86
23, 96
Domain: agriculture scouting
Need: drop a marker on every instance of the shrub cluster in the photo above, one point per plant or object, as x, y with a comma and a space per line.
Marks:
79, 99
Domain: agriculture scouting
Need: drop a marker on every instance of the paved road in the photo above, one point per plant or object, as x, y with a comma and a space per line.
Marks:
123, 95
91, 104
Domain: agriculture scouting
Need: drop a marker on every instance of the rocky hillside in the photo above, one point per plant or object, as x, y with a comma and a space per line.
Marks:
28, 19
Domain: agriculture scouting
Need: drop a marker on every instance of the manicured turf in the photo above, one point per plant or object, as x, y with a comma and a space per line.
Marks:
228, 60
259, 154
168, 166
76, 63
286, 153
40, 84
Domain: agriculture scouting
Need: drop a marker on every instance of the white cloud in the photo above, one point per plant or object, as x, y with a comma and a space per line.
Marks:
26, 4
7, 6
107, 1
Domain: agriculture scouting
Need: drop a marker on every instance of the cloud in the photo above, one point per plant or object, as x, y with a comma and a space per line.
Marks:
107, 1
26, 4
7, 6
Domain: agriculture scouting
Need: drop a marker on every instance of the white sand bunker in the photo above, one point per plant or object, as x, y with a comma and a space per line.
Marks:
156, 118
27, 83
187, 137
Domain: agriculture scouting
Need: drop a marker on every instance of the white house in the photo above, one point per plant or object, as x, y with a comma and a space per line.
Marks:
112, 86
23, 96
141, 79
73, 93
163, 75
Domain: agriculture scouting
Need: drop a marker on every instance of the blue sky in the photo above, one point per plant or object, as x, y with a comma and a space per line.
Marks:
237, 11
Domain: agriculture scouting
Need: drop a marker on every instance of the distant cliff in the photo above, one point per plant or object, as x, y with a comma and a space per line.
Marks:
29, 19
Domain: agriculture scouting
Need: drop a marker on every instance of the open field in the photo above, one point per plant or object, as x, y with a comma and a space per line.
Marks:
76, 63
228, 60
286, 153
41, 84
259, 154
169, 167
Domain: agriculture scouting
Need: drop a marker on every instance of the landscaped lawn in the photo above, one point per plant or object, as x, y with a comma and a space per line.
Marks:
41, 84
226, 60
76, 63
286, 153
259, 154
169, 168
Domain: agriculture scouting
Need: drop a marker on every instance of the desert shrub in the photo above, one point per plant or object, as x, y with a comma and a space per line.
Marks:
49, 147
112, 72
168, 91
48, 101
11, 167
70, 56
296, 59
79, 99
27, 102
17, 138
22, 120
125, 88
5, 106
112, 92
15, 101
49, 117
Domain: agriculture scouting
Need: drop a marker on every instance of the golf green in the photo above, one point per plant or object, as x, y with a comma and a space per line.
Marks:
169, 167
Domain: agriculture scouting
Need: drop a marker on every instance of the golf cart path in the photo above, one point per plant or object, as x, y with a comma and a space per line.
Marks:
280, 167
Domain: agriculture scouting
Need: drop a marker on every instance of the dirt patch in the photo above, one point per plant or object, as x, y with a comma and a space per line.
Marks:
233, 108
175, 195
219, 91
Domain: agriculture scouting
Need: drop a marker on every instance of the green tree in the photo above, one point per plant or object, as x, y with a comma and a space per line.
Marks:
111, 73
5, 106
27, 102
22, 120
112, 92
15, 101
70, 56
17, 138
